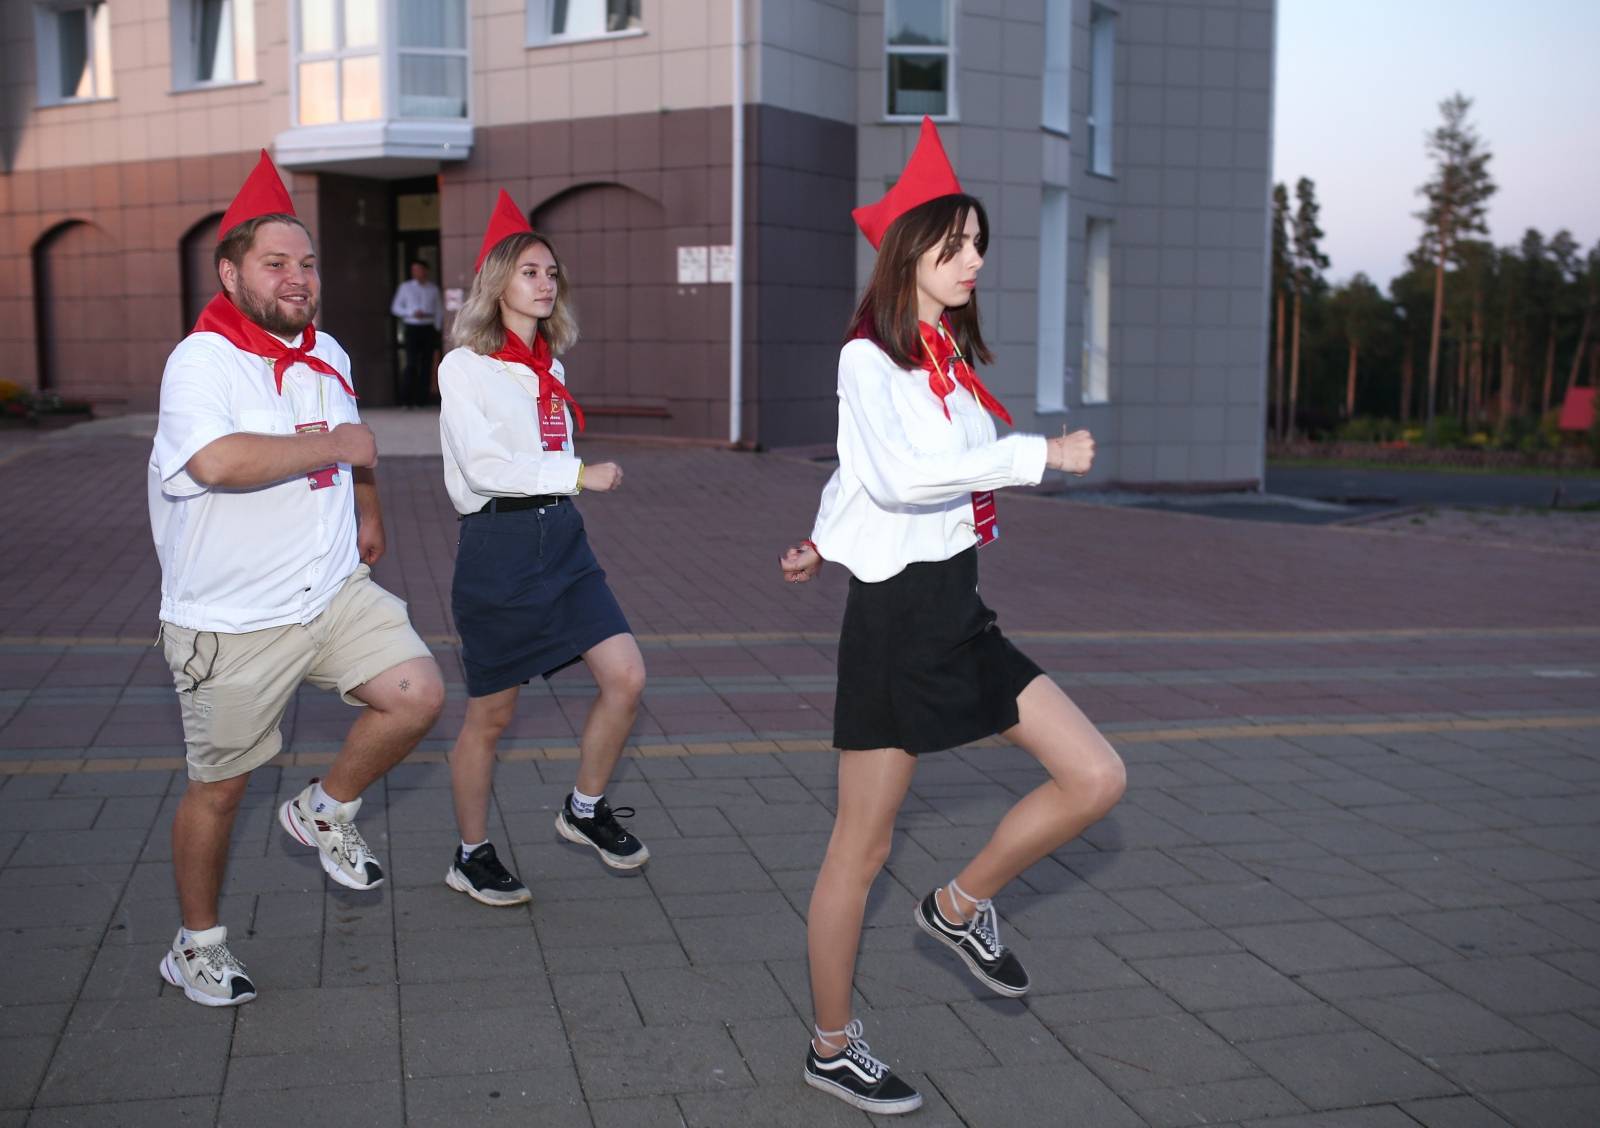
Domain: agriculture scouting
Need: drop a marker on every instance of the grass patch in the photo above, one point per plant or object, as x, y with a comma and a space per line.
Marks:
1426, 468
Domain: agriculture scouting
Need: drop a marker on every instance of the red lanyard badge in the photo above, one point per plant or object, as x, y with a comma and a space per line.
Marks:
552, 424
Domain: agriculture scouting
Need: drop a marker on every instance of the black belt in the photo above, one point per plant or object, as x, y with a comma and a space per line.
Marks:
512, 504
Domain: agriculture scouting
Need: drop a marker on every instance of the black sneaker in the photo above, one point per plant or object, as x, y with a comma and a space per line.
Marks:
483, 878
978, 943
616, 847
857, 1078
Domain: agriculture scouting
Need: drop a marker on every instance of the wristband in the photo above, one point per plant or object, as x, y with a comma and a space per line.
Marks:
580, 477
812, 545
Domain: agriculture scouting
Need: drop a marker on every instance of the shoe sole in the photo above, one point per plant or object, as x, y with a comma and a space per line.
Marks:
972, 965
865, 1104
286, 819
170, 974
455, 881
615, 861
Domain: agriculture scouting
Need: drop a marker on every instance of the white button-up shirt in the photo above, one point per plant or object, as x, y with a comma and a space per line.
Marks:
417, 303
247, 559
903, 489
489, 429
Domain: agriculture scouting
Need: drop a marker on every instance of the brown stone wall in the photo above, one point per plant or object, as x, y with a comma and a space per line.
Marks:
620, 195
137, 214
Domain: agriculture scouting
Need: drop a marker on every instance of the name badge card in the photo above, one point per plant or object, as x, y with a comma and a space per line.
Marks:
983, 518
328, 475
553, 426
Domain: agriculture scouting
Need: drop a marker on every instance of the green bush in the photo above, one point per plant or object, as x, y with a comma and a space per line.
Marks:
1370, 429
1445, 433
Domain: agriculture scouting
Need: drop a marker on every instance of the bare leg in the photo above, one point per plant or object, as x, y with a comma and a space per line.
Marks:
1086, 780
618, 670
200, 833
872, 785
472, 759
402, 704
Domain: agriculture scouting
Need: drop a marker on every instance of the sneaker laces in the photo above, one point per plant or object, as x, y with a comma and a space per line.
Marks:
984, 923
489, 863
855, 1048
219, 958
351, 845
606, 815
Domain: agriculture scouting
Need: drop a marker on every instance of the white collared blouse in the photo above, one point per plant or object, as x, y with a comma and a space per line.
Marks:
489, 429
903, 490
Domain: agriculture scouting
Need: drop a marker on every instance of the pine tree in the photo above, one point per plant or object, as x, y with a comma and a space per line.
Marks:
1457, 196
1309, 263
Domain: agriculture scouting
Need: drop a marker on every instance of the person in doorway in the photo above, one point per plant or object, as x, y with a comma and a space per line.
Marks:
264, 508
922, 663
528, 596
421, 312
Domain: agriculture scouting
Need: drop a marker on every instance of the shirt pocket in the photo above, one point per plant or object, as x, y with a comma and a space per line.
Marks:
264, 422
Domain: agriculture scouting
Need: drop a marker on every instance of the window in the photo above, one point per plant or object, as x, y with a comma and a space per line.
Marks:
338, 75
1057, 113
74, 46
432, 48
1102, 51
213, 42
563, 21
1053, 374
1097, 312
919, 57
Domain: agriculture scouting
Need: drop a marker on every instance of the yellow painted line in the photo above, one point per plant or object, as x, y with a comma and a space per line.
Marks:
1376, 634
532, 752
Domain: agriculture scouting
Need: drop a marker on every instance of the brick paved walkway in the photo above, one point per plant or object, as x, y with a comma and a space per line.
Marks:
1356, 880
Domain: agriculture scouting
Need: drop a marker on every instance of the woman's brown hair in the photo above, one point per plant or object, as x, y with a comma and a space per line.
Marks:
478, 325
887, 312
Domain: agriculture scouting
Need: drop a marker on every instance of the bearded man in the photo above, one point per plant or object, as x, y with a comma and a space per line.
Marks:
264, 506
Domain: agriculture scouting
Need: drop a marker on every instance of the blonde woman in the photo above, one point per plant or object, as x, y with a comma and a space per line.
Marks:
529, 599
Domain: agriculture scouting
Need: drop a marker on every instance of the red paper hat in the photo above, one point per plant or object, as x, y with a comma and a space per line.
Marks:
263, 194
508, 219
927, 176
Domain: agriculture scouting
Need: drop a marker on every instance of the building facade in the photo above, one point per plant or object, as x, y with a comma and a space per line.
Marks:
1121, 147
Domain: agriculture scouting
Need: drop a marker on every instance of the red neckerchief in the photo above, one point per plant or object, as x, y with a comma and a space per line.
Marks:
940, 351
224, 318
538, 359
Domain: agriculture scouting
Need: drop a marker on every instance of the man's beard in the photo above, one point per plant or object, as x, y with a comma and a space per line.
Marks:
266, 312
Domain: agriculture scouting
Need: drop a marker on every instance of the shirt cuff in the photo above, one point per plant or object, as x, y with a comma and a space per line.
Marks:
1028, 463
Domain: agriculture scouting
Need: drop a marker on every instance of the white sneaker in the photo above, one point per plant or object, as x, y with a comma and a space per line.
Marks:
343, 852
206, 970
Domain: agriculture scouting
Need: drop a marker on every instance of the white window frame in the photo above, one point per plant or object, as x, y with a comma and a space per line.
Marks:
1053, 375
47, 50
951, 112
1097, 311
1101, 118
1056, 113
380, 51
392, 50
542, 12
184, 48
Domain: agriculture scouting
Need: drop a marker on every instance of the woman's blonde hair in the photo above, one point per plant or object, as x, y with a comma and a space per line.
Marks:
478, 326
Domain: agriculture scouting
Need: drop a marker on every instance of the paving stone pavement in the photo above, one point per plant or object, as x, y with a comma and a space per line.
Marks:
1355, 881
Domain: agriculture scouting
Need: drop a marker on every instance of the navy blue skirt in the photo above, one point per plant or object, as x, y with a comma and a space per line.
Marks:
529, 598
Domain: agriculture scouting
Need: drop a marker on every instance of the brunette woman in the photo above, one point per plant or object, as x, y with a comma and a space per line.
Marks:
922, 664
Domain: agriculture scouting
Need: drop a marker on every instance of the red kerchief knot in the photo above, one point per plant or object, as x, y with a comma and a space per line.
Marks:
263, 193
222, 317
927, 176
538, 358
507, 219
946, 367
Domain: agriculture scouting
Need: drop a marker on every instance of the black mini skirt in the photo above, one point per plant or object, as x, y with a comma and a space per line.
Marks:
528, 596
922, 664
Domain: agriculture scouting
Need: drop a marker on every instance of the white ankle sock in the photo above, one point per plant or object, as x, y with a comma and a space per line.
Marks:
467, 848
324, 804
583, 805
216, 934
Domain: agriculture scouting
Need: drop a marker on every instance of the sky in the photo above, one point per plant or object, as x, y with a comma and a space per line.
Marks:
1359, 84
